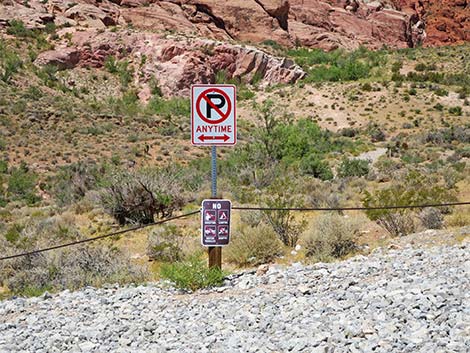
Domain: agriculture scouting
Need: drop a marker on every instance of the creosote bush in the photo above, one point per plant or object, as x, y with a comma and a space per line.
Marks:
353, 167
165, 244
415, 189
250, 246
282, 195
69, 268
431, 218
332, 236
137, 196
192, 273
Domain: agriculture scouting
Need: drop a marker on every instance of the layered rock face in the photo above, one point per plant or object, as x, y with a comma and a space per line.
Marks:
175, 62
326, 24
447, 21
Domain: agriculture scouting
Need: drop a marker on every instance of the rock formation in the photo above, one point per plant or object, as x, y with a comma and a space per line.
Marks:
174, 62
326, 24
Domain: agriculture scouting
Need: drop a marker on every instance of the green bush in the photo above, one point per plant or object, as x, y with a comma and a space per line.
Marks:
332, 236
192, 274
338, 65
251, 246
457, 111
169, 108
415, 189
353, 167
22, 185
312, 165
10, 63
18, 29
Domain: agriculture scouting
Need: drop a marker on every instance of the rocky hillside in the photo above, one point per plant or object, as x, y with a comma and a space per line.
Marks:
326, 24
406, 300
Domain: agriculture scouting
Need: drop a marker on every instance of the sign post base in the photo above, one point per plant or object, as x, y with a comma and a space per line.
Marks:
215, 257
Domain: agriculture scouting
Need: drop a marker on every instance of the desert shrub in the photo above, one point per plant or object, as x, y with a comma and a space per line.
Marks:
332, 236
312, 165
18, 29
165, 244
168, 107
459, 218
22, 185
431, 218
10, 63
72, 182
69, 268
338, 65
375, 132
192, 274
415, 189
457, 111
253, 245
137, 196
348, 132
281, 195
396, 67
353, 167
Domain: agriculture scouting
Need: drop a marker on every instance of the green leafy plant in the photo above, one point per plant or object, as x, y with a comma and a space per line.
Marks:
22, 184
415, 189
353, 167
192, 274
312, 165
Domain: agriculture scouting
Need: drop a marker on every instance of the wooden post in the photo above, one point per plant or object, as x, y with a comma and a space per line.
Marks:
215, 257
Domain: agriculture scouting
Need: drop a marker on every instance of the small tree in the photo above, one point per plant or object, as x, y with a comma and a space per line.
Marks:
416, 189
280, 196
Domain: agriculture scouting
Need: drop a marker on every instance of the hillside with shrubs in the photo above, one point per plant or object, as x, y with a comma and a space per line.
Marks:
82, 154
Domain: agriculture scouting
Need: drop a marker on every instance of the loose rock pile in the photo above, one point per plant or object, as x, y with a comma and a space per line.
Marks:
407, 300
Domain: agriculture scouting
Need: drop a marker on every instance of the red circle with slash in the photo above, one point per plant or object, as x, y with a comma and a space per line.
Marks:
223, 116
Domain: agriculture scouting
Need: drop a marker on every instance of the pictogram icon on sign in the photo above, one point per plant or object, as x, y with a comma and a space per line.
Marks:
209, 216
213, 115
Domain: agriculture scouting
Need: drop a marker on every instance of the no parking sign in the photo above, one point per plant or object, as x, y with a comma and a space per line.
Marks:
213, 115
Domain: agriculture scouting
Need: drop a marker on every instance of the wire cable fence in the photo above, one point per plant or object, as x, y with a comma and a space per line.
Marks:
241, 208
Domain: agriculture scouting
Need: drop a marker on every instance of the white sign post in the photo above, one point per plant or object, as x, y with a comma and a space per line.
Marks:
213, 115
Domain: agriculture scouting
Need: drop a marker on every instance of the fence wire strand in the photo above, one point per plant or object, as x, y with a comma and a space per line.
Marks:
448, 204
241, 208
87, 240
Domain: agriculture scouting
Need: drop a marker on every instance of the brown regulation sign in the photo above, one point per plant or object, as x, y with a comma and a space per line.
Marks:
215, 222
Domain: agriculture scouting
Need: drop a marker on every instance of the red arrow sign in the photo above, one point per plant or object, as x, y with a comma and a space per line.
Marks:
203, 138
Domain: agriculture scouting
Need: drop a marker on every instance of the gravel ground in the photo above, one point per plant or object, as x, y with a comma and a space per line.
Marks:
405, 300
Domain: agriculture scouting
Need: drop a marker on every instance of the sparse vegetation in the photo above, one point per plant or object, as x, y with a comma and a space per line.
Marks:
332, 236
192, 274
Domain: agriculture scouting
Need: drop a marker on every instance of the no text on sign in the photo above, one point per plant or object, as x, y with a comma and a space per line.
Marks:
215, 222
213, 115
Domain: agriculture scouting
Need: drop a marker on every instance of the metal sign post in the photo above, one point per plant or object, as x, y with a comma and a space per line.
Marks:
213, 123
214, 252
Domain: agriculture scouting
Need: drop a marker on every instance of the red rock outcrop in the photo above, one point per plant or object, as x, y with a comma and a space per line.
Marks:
326, 24
447, 21
176, 63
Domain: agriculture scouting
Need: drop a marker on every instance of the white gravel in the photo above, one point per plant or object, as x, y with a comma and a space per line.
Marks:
407, 300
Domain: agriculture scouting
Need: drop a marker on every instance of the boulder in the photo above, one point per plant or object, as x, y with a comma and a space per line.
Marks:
64, 58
